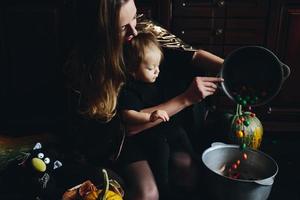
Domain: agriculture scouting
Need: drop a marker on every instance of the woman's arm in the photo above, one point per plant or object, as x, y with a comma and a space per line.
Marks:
207, 61
200, 88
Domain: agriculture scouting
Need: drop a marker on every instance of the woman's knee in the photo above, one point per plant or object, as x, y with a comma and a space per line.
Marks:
142, 185
182, 160
184, 170
148, 193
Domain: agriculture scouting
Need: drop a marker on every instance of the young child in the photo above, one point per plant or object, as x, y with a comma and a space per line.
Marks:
142, 59
142, 56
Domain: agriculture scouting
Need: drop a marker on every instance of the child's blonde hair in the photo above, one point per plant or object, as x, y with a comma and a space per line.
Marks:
135, 50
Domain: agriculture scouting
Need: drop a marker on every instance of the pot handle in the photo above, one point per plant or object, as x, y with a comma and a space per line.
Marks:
221, 144
217, 144
286, 71
265, 182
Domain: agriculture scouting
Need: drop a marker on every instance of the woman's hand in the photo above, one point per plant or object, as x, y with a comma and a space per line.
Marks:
159, 114
200, 88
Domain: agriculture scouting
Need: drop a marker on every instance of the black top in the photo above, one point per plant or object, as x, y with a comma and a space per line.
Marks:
175, 75
98, 140
137, 95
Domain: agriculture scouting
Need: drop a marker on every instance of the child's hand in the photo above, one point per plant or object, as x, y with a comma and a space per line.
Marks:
159, 114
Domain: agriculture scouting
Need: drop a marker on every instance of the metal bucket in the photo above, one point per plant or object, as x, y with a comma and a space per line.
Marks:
259, 171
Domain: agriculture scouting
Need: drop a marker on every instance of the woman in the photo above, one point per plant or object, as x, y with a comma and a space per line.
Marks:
96, 73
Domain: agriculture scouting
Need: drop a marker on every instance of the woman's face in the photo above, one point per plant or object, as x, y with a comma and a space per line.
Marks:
148, 70
128, 20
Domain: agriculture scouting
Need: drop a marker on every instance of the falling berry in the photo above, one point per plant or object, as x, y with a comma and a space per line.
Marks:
243, 146
239, 98
246, 123
244, 102
236, 175
240, 134
238, 121
234, 166
245, 157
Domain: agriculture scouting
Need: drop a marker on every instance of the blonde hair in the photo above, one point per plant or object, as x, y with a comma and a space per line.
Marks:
95, 67
135, 50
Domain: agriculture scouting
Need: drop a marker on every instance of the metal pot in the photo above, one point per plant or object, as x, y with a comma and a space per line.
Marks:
259, 168
253, 75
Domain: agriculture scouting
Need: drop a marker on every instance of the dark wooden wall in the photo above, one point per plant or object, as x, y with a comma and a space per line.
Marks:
221, 26
35, 36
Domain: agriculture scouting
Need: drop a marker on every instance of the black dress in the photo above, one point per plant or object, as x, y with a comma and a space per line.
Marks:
176, 74
154, 145
87, 146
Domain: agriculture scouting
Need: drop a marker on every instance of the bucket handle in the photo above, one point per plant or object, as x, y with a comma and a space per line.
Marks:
286, 71
221, 144
265, 182
217, 144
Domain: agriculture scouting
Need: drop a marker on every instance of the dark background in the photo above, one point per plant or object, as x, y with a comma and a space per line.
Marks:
35, 37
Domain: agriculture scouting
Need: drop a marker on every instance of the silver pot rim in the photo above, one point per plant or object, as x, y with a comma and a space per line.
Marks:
219, 145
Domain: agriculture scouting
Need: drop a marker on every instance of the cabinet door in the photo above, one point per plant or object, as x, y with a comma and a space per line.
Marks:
288, 48
247, 8
199, 31
155, 9
227, 24
146, 8
245, 31
221, 8
199, 8
284, 40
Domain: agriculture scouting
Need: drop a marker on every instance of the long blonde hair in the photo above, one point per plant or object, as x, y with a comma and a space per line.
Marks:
95, 67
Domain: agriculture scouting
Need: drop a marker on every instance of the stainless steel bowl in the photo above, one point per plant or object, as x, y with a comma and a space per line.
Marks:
258, 172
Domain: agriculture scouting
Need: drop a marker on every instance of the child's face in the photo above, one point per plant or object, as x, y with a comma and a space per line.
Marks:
148, 70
